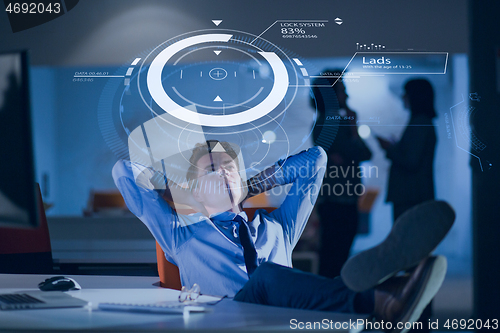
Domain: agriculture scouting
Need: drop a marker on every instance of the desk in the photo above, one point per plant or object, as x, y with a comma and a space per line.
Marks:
228, 315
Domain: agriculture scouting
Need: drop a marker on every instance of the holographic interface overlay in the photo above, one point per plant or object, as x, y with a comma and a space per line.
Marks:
217, 84
218, 80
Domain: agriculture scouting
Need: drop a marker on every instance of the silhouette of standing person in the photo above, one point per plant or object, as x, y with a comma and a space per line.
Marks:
337, 205
411, 178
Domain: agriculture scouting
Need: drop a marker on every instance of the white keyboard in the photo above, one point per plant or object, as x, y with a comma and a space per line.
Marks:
172, 307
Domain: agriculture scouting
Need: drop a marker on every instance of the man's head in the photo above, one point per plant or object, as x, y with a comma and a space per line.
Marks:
214, 176
210, 147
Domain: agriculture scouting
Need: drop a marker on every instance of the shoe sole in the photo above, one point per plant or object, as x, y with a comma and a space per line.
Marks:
413, 237
432, 281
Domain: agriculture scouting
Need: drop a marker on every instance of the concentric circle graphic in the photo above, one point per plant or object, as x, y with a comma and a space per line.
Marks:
218, 79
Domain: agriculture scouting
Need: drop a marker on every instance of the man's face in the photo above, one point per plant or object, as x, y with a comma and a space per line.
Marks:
219, 186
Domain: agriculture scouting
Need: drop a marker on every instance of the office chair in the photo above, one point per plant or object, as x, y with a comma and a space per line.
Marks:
169, 273
105, 202
27, 251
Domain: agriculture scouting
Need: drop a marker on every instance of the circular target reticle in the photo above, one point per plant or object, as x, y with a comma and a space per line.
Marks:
214, 79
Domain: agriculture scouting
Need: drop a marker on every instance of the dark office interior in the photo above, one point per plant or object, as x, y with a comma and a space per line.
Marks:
74, 152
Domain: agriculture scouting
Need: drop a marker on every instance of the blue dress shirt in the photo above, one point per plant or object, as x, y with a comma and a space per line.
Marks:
207, 250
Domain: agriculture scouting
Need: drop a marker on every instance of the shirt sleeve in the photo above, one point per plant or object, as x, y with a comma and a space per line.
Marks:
141, 198
264, 181
305, 171
279, 174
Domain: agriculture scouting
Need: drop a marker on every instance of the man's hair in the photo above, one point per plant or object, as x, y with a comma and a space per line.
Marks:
201, 149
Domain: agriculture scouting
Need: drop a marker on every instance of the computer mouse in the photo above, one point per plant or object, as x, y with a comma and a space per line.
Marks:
59, 283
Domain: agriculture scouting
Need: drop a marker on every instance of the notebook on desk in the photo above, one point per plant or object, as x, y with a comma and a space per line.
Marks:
39, 300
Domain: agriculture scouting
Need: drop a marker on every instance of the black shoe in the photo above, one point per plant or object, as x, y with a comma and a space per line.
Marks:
415, 234
400, 300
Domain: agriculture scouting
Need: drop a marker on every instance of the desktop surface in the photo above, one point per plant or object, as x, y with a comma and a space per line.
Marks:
227, 315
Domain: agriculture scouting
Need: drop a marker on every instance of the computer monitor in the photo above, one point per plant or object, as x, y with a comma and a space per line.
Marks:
18, 201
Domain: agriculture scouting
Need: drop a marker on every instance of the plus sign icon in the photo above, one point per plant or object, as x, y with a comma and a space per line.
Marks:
218, 73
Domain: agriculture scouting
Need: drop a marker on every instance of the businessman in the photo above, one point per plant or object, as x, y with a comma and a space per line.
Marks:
220, 250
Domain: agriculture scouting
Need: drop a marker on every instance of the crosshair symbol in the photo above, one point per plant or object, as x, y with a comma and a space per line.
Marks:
218, 73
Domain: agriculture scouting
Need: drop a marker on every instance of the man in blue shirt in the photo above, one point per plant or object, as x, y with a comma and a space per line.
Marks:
217, 248
204, 245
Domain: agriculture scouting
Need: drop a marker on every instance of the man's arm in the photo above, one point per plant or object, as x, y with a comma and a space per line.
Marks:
262, 182
173, 192
305, 171
145, 203
278, 174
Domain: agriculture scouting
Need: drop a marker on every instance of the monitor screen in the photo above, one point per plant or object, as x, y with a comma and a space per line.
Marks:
18, 206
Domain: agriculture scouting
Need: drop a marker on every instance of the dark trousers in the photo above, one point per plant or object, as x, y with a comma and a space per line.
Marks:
273, 284
339, 224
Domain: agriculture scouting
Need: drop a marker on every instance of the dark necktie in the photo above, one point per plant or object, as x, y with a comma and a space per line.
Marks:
249, 251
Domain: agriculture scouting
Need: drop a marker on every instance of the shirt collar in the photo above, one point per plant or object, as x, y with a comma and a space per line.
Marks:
227, 216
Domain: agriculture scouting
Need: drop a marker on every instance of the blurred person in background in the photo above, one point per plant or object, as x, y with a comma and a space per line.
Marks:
338, 201
411, 177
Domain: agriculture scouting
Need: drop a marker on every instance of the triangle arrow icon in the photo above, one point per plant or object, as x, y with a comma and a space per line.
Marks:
217, 99
217, 22
218, 148
217, 52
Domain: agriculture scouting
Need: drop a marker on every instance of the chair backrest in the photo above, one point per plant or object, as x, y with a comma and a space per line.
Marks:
27, 251
169, 273
105, 202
